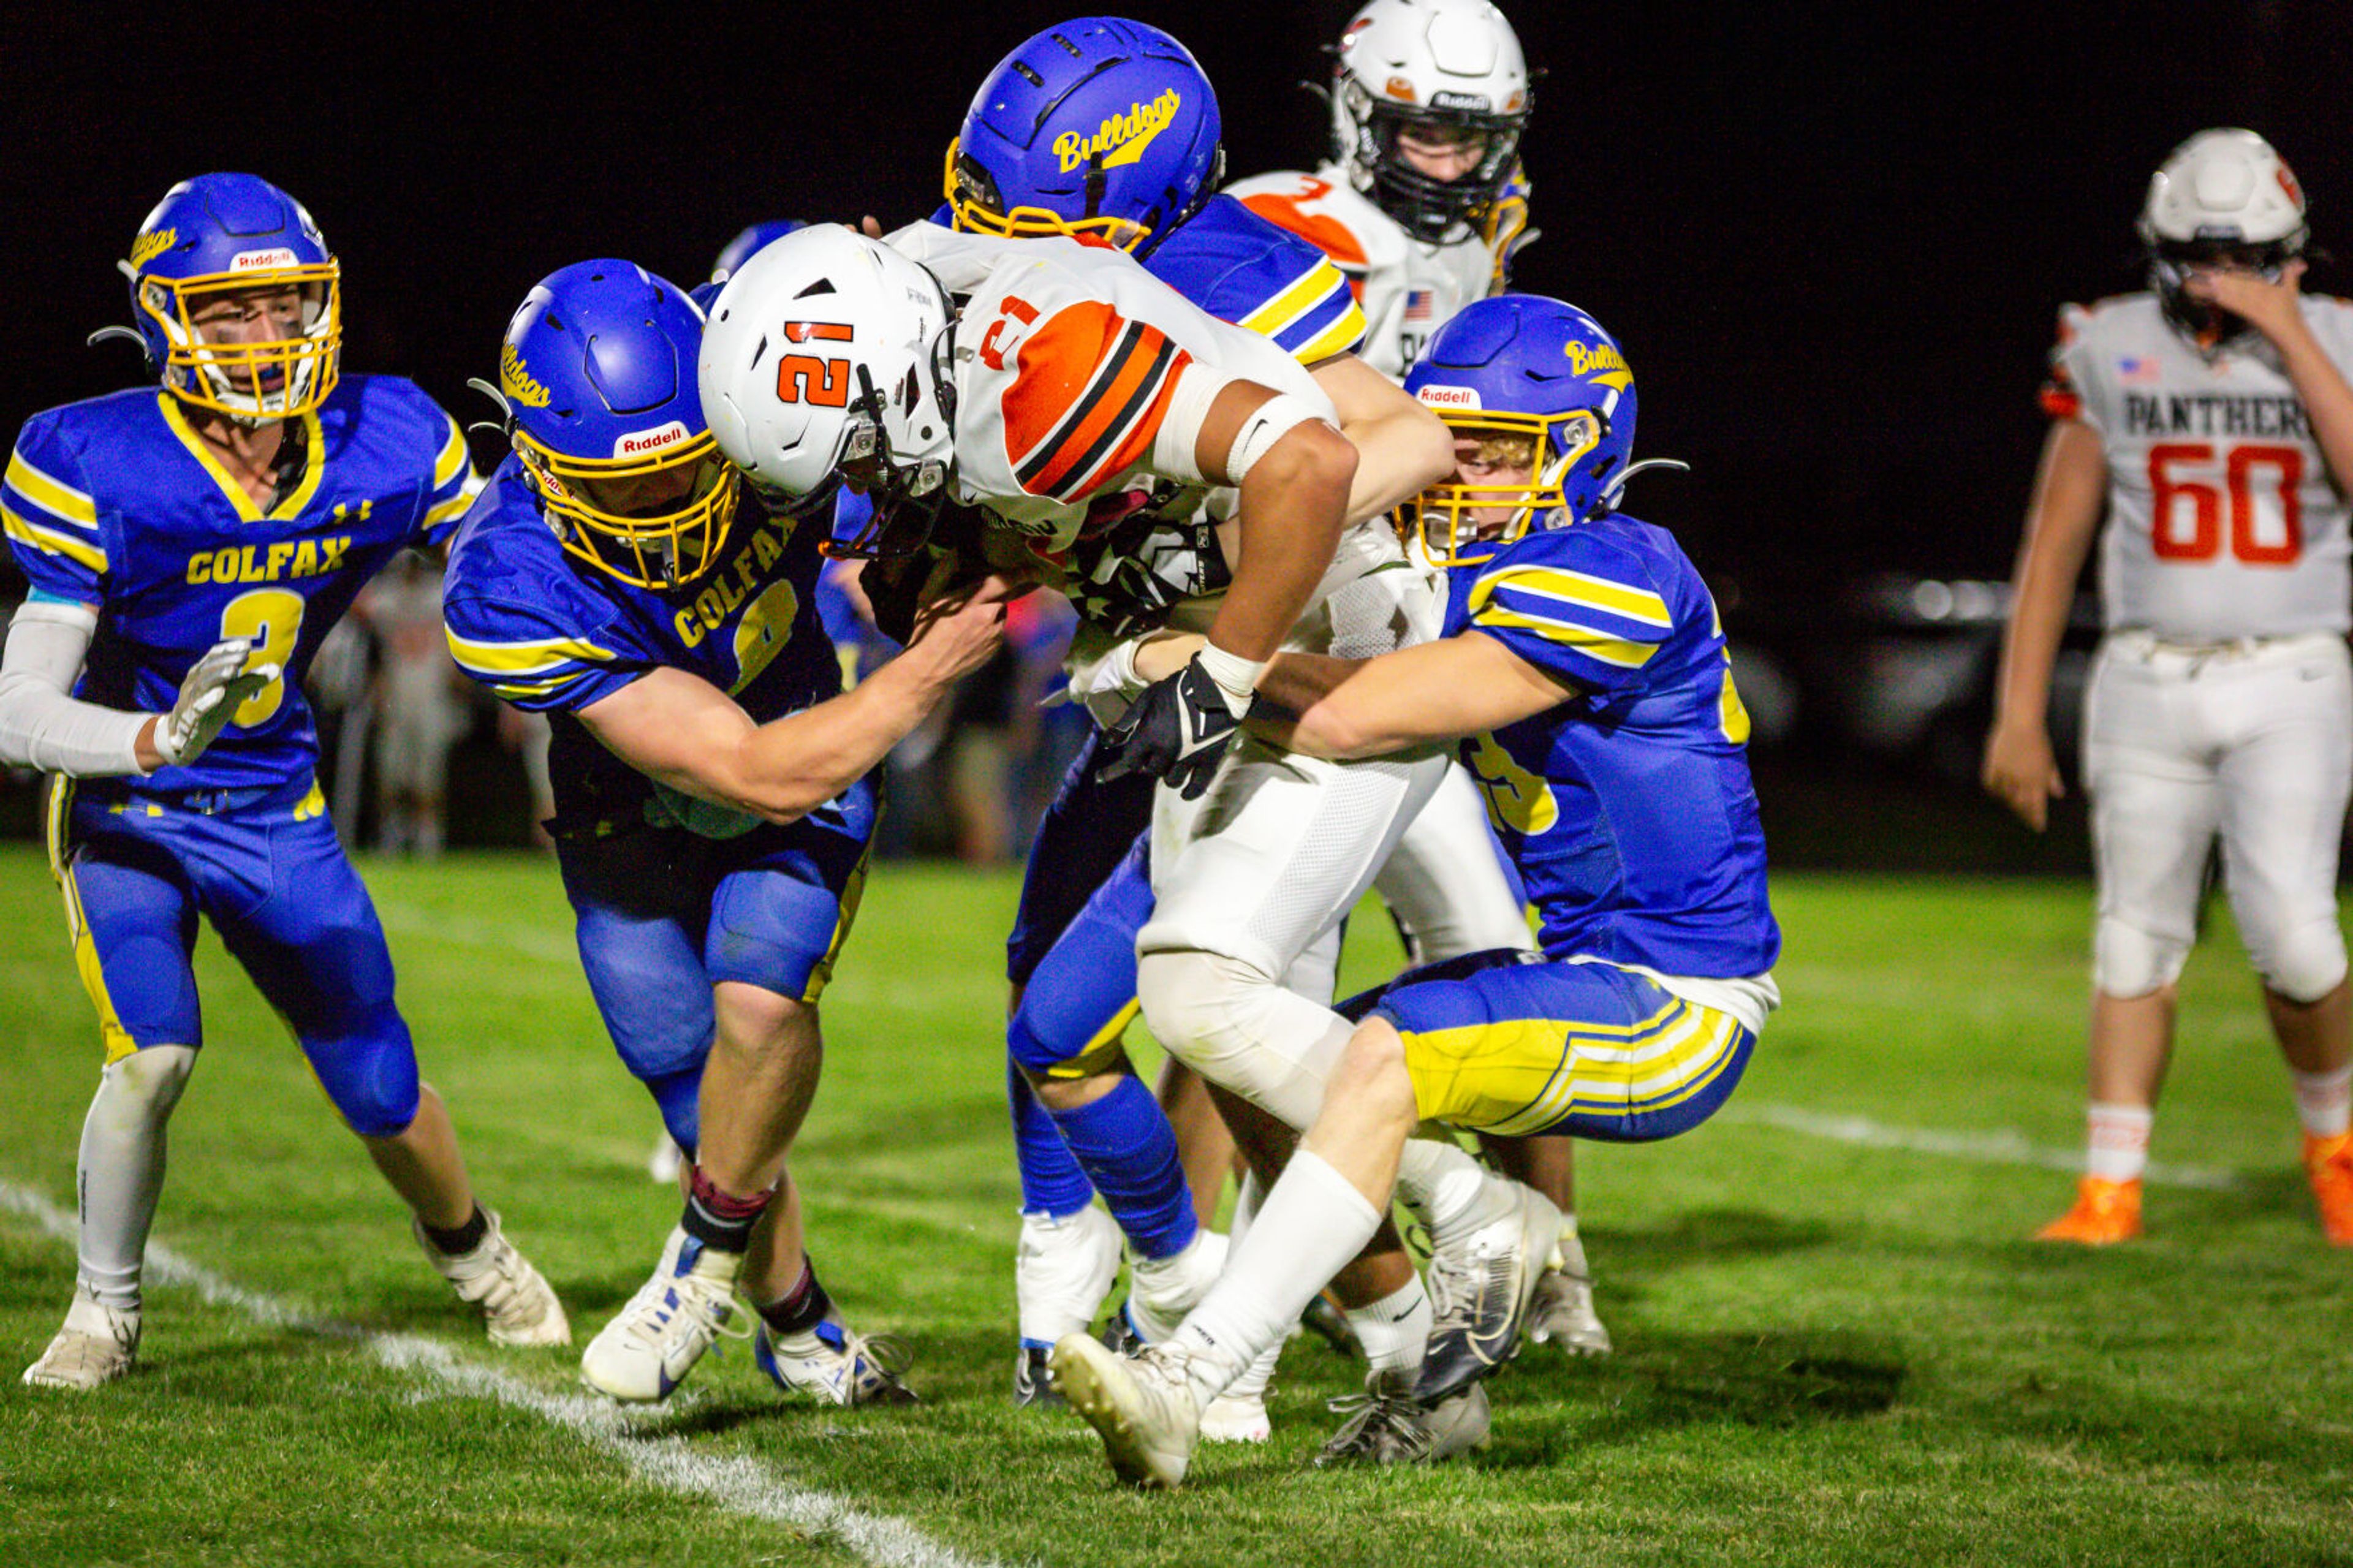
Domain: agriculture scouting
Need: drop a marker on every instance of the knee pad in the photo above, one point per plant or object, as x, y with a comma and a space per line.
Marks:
2303, 961
371, 1080
139, 1090
2129, 962
1237, 1027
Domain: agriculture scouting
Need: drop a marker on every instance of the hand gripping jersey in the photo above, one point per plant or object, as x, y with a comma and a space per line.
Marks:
1408, 287
1627, 809
115, 502
2223, 522
550, 637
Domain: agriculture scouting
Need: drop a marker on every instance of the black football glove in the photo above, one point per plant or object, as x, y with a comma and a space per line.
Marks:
1176, 730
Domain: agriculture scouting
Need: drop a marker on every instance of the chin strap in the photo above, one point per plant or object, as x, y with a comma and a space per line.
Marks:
1618, 486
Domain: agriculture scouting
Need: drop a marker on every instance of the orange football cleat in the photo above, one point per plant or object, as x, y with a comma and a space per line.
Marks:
2108, 1211
2329, 1161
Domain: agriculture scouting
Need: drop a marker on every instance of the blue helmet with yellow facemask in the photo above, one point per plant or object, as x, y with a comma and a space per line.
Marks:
1543, 389
598, 378
222, 248
1098, 127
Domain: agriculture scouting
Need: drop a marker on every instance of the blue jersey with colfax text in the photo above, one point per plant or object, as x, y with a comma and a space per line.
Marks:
551, 634
1628, 808
116, 503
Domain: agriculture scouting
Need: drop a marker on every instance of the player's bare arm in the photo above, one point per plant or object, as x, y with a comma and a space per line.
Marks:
678, 728
2020, 770
1295, 503
1346, 708
2275, 309
1401, 446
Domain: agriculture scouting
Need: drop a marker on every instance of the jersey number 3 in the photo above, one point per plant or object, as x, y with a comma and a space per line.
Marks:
2186, 510
272, 618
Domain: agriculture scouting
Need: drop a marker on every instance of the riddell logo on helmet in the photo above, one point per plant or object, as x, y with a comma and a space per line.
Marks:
1472, 101
639, 442
148, 246
1438, 396
263, 260
1122, 138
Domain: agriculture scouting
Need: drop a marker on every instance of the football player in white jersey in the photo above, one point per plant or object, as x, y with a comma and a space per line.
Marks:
1422, 203
1071, 389
2214, 415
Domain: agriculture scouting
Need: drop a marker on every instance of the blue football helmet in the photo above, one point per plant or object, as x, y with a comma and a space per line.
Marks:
1098, 127
1523, 372
598, 377
237, 302
750, 241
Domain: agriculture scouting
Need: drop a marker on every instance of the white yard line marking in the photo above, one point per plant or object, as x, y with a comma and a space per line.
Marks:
738, 1484
2001, 1148
548, 945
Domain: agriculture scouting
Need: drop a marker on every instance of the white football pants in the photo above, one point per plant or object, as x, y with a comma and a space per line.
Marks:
2251, 742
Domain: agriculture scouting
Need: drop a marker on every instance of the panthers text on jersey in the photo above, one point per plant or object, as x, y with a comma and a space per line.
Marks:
2223, 519
550, 637
116, 502
1628, 808
1408, 287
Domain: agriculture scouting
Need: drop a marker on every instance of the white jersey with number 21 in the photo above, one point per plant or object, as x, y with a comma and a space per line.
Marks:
2222, 521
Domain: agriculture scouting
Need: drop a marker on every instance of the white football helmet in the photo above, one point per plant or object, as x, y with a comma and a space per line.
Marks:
828, 359
1433, 63
2221, 198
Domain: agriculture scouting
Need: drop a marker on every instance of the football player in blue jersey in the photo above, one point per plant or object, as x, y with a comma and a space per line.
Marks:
715, 788
188, 549
1107, 130
1585, 675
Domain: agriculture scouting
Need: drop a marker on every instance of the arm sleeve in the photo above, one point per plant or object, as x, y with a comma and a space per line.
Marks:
1595, 621
529, 657
40, 725
455, 486
50, 517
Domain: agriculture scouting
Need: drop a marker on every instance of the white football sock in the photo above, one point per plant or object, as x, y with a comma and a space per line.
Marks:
1394, 1329
1449, 1189
1312, 1224
2323, 1102
2117, 1140
120, 1172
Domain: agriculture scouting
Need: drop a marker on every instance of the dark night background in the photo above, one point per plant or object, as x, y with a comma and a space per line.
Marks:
1831, 240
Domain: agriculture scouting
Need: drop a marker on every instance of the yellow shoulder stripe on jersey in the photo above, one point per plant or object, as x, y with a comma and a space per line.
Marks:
1594, 645
454, 507
522, 658
1343, 334
49, 540
1575, 588
1300, 295
536, 688
452, 458
52, 494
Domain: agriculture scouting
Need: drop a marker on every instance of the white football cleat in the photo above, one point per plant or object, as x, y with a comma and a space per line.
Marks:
1388, 1426
1237, 1418
97, 1344
834, 1365
1483, 1282
1563, 1313
1062, 1270
1161, 1290
662, 1330
1142, 1406
517, 1302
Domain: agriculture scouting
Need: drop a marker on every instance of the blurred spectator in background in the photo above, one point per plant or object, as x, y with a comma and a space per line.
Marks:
420, 711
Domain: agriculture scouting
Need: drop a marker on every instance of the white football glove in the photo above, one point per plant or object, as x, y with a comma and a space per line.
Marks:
215, 687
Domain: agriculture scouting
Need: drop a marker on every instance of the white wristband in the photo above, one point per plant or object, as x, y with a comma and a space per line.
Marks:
1236, 677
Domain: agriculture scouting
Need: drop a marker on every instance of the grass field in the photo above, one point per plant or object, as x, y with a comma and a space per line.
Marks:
1835, 1346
